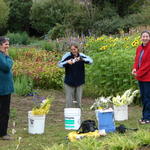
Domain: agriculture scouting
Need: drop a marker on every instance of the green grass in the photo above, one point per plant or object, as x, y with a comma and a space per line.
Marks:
54, 137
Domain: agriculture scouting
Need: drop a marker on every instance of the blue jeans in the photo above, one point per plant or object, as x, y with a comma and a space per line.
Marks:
145, 97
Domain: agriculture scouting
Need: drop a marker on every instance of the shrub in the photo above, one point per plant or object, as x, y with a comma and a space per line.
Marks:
18, 38
108, 26
45, 45
57, 31
4, 12
23, 85
46, 14
19, 15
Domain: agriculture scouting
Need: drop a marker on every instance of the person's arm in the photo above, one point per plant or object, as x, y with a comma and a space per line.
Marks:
86, 58
6, 63
64, 62
136, 59
134, 69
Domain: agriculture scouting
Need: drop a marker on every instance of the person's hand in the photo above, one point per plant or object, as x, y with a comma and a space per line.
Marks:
6, 52
78, 58
134, 72
70, 61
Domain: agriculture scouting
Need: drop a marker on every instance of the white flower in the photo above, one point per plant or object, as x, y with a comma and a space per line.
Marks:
125, 99
13, 131
102, 102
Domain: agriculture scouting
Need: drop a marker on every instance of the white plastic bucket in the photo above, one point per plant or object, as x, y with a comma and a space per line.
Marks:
96, 113
72, 118
121, 113
36, 123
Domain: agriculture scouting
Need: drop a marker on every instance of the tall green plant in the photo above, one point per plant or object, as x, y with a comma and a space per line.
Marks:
113, 59
18, 38
23, 85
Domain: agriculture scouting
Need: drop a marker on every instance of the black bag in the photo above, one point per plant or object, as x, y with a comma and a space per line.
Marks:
87, 126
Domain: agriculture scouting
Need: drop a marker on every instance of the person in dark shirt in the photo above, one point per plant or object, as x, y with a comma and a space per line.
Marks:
73, 62
6, 87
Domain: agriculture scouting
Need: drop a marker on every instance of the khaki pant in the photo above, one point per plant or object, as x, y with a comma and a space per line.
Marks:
73, 96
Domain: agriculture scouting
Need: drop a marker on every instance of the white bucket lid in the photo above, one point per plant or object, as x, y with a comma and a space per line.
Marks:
72, 111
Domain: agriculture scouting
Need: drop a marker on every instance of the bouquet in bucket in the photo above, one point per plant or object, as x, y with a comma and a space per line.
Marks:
101, 103
125, 99
43, 108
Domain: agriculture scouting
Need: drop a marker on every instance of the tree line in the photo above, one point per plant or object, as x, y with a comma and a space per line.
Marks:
59, 18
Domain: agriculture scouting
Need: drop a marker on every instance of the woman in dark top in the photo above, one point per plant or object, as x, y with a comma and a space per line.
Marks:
74, 62
6, 87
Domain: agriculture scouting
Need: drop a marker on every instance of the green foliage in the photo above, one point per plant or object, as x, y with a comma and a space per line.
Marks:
19, 15
23, 85
123, 8
119, 142
108, 26
60, 18
55, 147
113, 141
50, 45
47, 45
18, 38
88, 143
13, 113
46, 14
143, 16
142, 137
111, 72
57, 31
4, 12
81, 19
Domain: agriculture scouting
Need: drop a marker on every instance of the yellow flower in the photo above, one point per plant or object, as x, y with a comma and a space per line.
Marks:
100, 38
135, 43
126, 38
103, 47
44, 107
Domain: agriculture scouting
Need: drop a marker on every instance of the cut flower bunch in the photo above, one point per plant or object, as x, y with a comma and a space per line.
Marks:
125, 99
101, 103
44, 107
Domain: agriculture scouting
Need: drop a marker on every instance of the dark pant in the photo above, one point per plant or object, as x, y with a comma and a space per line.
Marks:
4, 113
145, 96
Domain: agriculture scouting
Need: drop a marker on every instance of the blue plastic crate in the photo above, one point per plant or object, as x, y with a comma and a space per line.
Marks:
106, 121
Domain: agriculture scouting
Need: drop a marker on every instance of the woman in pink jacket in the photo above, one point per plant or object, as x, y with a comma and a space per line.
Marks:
141, 71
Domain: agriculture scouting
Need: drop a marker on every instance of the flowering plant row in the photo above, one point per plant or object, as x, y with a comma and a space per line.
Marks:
40, 65
109, 43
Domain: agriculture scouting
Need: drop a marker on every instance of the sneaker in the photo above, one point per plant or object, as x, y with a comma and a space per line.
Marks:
142, 121
7, 137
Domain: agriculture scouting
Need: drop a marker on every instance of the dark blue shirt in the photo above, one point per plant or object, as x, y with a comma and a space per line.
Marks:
75, 73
